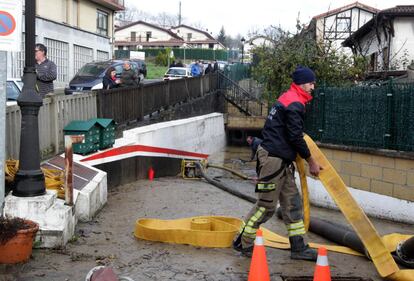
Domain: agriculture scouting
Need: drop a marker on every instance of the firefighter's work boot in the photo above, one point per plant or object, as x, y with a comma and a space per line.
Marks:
301, 251
245, 251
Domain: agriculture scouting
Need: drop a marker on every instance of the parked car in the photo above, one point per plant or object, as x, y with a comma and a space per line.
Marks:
89, 77
14, 87
177, 73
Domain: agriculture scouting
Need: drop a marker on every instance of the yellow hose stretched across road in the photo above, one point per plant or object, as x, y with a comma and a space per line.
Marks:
375, 246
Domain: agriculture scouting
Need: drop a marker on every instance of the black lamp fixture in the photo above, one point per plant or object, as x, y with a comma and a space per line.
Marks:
242, 41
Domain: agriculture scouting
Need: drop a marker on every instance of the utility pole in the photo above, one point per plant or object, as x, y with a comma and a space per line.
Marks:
29, 180
10, 40
3, 75
179, 15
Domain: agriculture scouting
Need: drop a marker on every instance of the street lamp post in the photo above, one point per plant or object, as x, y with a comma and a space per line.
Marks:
242, 41
29, 180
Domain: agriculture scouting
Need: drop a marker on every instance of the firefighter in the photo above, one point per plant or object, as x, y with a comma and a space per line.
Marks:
282, 141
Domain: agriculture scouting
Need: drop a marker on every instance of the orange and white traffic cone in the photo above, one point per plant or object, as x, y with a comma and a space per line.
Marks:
258, 267
322, 271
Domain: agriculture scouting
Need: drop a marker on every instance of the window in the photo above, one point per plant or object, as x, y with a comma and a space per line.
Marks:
102, 55
18, 61
12, 92
58, 52
189, 36
385, 58
102, 23
133, 36
343, 24
373, 62
149, 34
119, 69
82, 55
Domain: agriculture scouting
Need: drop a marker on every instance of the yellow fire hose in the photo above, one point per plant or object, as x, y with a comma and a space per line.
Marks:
376, 247
211, 231
54, 179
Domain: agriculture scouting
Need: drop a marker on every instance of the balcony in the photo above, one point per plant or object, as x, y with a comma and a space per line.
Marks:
115, 5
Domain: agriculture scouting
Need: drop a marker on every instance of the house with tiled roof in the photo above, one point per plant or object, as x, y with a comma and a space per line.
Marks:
141, 34
387, 39
335, 25
197, 38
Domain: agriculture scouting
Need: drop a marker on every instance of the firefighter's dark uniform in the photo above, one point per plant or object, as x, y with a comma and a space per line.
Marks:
282, 141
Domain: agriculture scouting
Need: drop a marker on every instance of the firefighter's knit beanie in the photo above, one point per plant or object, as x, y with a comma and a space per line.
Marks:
303, 75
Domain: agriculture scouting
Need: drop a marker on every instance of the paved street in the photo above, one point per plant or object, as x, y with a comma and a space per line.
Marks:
109, 238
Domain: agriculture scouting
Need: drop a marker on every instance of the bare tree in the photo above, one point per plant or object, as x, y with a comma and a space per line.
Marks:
165, 20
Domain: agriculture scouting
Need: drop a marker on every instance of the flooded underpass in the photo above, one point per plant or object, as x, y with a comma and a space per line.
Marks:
109, 240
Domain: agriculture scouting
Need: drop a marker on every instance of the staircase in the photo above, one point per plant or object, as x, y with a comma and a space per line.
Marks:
240, 98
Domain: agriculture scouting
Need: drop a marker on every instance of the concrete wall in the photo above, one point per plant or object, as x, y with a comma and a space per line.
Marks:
59, 8
387, 175
63, 12
382, 182
88, 15
202, 134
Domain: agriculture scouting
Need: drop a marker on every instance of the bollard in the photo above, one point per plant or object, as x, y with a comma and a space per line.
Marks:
69, 140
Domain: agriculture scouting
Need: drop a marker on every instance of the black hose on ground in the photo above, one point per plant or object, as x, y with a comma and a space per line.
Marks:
236, 173
337, 233
225, 187
342, 235
405, 253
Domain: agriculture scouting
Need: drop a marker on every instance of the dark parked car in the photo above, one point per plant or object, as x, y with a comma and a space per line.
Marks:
13, 89
89, 77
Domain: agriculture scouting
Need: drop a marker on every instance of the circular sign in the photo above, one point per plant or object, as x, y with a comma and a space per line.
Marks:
7, 23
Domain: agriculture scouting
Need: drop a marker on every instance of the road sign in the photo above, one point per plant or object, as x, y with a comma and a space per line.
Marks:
10, 25
7, 23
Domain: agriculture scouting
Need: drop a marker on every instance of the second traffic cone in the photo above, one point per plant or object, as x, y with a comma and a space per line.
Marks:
322, 271
258, 266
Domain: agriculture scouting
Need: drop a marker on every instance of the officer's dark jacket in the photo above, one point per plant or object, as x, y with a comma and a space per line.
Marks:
283, 130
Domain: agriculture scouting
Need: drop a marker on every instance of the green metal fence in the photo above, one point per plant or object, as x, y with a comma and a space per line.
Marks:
187, 54
376, 117
237, 71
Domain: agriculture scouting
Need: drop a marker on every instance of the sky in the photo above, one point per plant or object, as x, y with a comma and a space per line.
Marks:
242, 16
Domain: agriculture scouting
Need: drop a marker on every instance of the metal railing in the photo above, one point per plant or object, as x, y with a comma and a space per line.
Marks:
128, 105
124, 105
241, 98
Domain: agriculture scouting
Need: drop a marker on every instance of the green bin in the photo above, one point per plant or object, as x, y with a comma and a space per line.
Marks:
90, 130
107, 132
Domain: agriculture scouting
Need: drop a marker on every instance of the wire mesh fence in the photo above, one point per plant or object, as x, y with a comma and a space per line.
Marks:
375, 117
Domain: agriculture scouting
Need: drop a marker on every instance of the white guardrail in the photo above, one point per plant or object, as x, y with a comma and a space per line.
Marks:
57, 111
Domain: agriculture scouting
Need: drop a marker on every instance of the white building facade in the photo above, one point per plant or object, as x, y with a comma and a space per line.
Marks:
334, 26
140, 34
77, 32
387, 40
197, 38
